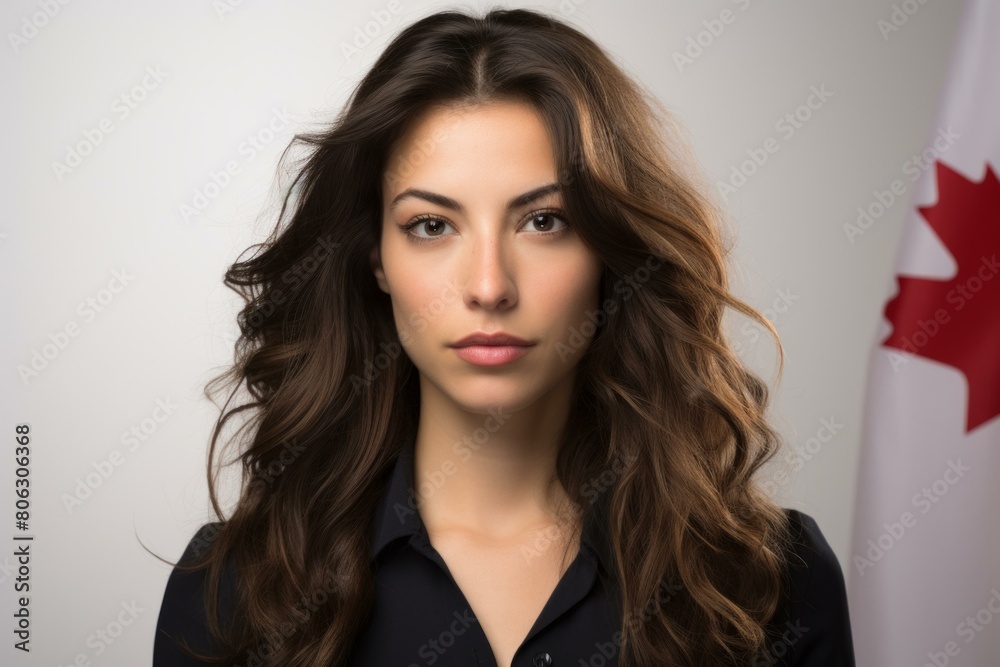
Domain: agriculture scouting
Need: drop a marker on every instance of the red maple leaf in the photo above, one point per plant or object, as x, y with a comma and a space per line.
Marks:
957, 321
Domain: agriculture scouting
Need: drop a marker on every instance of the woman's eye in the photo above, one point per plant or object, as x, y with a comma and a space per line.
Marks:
544, 221
433, 226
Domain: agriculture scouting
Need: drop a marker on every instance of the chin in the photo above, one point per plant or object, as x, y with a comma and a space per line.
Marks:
489, 403
490, 395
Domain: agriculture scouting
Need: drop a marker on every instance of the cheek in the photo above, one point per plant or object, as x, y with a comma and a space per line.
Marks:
420, 296
569, 291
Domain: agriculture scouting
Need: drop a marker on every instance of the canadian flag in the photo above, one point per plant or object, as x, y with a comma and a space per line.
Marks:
924, 575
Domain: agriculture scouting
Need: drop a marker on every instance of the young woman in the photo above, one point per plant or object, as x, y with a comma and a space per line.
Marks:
495, 418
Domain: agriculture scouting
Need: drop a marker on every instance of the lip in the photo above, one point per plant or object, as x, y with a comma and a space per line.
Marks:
497, 338
491, 349
491, 355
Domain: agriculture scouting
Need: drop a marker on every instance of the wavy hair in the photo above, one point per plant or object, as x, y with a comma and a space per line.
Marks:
660, 393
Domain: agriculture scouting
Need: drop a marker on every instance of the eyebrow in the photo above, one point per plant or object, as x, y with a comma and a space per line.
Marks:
448, 202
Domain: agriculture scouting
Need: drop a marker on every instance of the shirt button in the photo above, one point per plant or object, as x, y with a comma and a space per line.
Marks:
542, 660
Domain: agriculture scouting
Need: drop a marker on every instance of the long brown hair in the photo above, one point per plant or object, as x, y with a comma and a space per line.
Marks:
660, 395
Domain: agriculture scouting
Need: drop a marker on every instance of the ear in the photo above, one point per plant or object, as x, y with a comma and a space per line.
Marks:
375, 259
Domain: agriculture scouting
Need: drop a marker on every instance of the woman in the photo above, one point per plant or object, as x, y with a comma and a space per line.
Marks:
495, 419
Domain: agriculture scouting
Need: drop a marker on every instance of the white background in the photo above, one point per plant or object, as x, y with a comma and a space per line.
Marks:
171, 328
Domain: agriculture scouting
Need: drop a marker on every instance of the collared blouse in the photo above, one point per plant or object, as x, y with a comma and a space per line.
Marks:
421, 617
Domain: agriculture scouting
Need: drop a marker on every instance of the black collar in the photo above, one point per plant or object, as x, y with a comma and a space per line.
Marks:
397, 515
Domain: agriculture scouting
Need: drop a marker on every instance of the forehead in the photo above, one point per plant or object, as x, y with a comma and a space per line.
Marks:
500, 144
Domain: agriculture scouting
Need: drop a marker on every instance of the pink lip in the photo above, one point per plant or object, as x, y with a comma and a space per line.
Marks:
495, 338
491, 355
491, 349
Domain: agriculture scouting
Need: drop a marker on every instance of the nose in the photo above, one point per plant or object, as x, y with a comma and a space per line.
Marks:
490, 282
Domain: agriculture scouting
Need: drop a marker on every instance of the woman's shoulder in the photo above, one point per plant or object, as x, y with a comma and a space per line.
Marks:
809, 543
812, 626
182, 612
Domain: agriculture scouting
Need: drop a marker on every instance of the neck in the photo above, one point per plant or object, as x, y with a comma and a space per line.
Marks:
491, 472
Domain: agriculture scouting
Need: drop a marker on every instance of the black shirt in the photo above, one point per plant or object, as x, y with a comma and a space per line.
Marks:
421, 617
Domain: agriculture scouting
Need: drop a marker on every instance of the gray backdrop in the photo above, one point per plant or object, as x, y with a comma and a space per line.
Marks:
141, 143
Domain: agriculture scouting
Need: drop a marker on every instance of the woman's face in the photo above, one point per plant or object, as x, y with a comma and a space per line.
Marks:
474, 263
